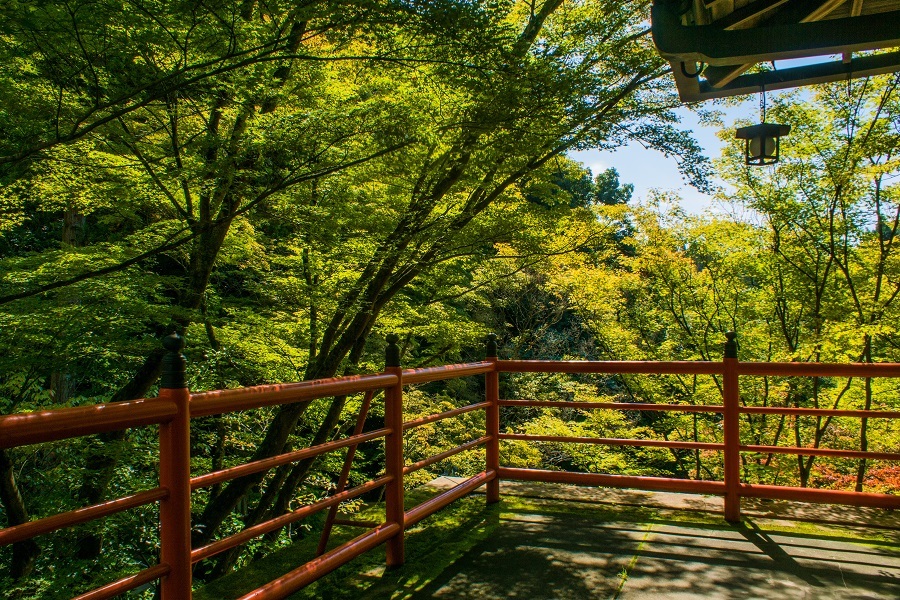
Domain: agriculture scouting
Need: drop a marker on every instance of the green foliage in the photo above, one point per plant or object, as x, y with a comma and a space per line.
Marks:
285, 184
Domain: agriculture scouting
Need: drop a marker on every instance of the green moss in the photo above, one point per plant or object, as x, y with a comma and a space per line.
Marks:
431, 545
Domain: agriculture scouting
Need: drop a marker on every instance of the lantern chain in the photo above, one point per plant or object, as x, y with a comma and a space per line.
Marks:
762, 103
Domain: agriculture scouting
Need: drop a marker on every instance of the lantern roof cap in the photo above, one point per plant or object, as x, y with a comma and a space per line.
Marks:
762, 130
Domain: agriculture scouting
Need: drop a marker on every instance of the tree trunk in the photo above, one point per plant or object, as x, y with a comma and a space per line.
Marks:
280, 492
24, 554
281, 488
103, 453
73, 222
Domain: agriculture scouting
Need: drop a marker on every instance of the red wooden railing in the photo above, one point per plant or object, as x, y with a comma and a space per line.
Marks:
176, 406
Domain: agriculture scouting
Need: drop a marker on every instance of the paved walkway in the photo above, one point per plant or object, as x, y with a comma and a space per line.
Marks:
541, 555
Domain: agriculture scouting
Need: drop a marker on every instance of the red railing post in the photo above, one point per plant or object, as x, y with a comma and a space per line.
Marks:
393, 452
731, 430
492, 421
175, 476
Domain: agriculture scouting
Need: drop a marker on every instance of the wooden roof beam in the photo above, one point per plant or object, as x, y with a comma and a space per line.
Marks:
798, 11
692, 90
712, 45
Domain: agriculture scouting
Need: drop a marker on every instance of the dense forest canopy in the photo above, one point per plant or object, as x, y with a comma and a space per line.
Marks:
284, 183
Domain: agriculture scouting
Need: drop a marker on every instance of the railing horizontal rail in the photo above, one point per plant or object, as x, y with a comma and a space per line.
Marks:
444, 455
120, 586
821, 452
819, 412
799, 369
613, 441
289, 583
778, 492
684, 367
25, 531
770, 410
265, 527
265, 464
616, 405
63, 423
445, 372
220, 401
664, 484
455, 412
806, 369
432, 505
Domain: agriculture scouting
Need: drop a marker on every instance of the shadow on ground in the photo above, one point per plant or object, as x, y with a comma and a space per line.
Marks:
538, 556
575, 543
549, 555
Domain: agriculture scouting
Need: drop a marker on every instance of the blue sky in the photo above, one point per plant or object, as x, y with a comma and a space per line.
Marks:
649, 169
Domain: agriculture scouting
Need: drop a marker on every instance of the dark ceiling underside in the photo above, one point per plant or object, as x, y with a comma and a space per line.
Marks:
715, 46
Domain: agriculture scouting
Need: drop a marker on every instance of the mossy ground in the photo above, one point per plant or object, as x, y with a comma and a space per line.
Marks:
430, 547
437, 542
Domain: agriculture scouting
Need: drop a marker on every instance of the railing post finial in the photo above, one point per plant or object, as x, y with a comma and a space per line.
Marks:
392, 352
490, 347
731, 345
173, 363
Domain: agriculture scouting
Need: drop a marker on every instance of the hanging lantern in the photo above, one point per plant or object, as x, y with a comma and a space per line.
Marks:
762, 142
